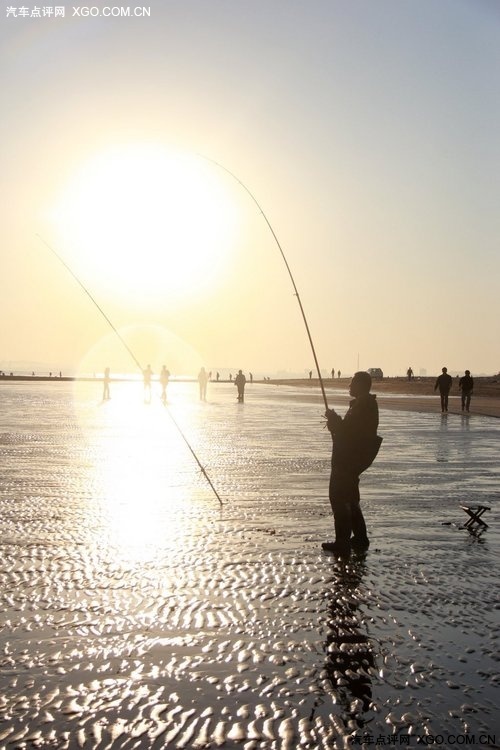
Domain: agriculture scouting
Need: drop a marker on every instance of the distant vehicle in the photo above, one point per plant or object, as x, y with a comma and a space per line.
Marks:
375, 372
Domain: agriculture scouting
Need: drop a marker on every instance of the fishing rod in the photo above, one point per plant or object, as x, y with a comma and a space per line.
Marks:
129, 350
296, 291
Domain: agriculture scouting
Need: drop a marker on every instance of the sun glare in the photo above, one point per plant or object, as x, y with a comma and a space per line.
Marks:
141, 471
147, 224
150, 343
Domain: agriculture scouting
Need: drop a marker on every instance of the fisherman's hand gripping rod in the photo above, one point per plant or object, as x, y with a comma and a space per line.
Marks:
129, 350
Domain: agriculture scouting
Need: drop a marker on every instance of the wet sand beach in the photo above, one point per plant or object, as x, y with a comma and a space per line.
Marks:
138, 613
401, 394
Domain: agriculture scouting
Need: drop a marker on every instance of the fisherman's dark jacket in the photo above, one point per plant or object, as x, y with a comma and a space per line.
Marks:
355, 440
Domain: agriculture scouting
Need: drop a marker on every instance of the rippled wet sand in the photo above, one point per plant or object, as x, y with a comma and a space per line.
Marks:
137, 613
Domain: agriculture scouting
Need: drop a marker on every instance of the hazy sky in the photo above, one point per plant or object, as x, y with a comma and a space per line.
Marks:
367, 130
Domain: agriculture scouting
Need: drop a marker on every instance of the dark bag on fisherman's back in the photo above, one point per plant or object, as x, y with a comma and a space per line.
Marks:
367, 453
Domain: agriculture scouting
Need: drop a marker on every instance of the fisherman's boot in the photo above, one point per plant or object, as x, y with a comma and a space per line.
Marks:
359, 540
342, 517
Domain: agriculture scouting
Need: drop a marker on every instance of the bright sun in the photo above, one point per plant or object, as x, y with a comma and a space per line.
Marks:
147, 224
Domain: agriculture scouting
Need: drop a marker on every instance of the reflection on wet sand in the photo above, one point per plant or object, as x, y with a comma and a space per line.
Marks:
135, 613
350, 654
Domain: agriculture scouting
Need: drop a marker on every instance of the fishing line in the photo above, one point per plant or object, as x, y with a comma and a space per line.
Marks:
129, 350
252, 196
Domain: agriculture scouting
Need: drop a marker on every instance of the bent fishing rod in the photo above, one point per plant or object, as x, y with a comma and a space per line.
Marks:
296, 291
129, 350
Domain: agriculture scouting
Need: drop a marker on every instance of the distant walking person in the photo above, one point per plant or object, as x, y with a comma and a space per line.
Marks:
203, 380
409, 373
333, 372
338, 374
147, 375
355, 445
105, 392
240, 381
251, 377
164, 378
310, 374
466, 385
444, 383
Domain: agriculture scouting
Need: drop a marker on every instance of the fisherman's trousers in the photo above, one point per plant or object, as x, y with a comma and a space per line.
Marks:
344, 499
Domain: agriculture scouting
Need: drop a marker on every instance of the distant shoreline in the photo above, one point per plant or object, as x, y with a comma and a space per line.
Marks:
100, 379
395, 384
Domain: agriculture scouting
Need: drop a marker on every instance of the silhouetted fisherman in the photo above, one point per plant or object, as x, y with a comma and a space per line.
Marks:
240, 381
444, 383
164, 378
355, 445
105, 392
466, 385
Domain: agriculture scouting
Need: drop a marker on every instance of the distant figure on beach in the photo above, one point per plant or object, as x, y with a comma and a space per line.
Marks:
217, 376
338, 374
202, 381
333, 372
310, 374
230, 376
240, 381
409, 373
164, 378
251, 377
147, 375
355, 446
105, 391
466, 385
444, 383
